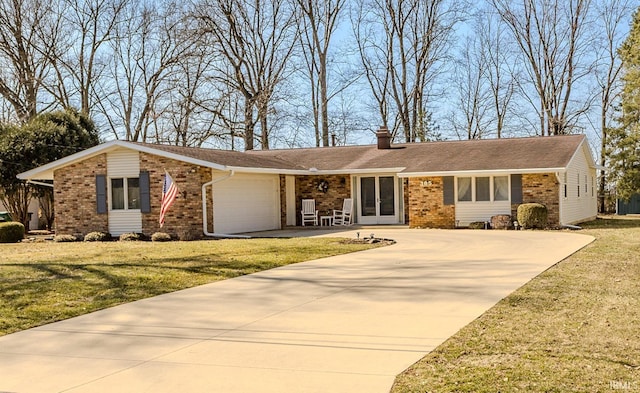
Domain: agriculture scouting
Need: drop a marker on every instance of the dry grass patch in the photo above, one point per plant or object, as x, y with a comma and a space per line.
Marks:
574, 328
46, 282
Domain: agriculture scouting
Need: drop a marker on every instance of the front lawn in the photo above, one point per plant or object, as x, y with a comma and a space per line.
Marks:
574, 328
46, 282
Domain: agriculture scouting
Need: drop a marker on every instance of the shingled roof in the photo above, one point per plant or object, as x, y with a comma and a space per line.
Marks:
533, 154
439, 157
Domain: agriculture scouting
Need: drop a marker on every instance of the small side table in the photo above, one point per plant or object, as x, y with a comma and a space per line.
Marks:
326, 221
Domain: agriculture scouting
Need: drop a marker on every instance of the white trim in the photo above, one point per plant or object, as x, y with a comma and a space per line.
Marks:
45, 172
378, 219
489, 172
290, 200
313, 171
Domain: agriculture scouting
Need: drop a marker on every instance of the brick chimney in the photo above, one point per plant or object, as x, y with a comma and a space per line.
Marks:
384, 138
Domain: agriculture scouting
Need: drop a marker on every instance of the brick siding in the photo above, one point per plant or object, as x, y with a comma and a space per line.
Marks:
184, 218
541, 188
307, 188
75, 197
426, 208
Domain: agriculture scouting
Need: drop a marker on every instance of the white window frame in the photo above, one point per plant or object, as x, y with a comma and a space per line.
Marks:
125, 184
491, 189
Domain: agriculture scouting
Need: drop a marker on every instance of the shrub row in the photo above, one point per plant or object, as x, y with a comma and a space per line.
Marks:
104, 237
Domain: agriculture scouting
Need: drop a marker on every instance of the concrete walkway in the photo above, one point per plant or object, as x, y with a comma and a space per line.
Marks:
349, 323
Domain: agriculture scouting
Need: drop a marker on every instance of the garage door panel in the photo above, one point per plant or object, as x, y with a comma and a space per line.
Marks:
246, 203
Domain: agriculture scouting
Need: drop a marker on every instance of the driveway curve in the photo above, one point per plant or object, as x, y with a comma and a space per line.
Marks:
348, 323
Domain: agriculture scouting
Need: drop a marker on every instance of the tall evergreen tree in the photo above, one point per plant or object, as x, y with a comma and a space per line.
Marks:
625, 140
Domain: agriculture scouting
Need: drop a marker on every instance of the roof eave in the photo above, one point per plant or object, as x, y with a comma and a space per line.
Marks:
312, 171
482, 172
45, 172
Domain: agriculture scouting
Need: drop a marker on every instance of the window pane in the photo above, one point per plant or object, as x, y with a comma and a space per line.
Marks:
117, 194
483, 189
501, 188
464, 188
368, 196
133, 192
387, 196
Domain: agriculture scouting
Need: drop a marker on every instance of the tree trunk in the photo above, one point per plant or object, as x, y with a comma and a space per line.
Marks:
249, 123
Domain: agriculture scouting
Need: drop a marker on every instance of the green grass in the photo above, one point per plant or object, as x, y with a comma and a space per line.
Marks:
574, 328
46, 282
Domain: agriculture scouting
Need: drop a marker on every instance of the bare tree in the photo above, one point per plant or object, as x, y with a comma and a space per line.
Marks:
90, 24
469, 116
256, 39
319, 21
612, 16
147, 46
499, 69
551, 35
402, 46
194, 112
29, 35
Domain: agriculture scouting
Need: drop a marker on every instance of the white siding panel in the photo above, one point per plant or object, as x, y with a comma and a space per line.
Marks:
123, 163
467, 213
123, 221
582, 206
290, 186
246, 203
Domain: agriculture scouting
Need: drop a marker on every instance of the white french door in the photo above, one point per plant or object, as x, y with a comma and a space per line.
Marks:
378, 200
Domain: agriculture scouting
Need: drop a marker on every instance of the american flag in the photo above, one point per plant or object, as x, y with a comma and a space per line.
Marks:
169, 193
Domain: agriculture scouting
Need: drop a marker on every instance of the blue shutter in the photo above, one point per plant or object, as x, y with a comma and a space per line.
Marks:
145, 197
101, 194
448, 191
516, 189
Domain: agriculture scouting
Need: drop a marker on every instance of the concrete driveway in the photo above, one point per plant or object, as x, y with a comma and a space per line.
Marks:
349, 323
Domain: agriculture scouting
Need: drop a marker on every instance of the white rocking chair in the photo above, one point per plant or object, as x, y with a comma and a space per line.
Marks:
309, 212
343, 217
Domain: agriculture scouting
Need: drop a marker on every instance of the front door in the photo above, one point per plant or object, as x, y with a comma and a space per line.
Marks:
378, 200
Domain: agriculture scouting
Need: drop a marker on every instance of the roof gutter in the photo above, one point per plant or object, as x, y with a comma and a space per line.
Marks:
204, 209
481, 172
39, 183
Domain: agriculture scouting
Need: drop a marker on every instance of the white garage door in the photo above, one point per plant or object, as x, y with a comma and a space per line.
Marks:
246, 203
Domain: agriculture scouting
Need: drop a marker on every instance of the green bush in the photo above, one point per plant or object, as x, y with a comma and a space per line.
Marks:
160, 237
65, 239
532, 215
97, 237
11, 232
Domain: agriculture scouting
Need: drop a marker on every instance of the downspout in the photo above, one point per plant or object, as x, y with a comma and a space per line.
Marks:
204, 209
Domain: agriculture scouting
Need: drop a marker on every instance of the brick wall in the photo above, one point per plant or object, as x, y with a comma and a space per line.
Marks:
75, 197
184, 218
426, 209
541, 188
307, 188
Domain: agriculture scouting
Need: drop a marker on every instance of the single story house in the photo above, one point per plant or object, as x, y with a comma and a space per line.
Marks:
116, 187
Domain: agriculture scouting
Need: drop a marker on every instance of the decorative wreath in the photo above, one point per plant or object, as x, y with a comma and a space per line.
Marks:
323, 186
